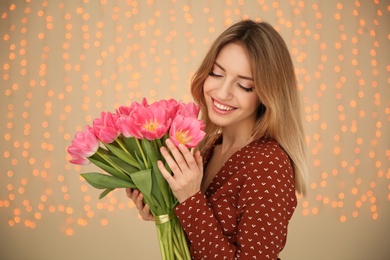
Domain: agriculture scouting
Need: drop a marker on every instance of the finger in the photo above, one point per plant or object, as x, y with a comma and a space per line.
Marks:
143, 209
128, 192
199, 160
146, 209
134, 194
146, 215
139, 202
167, 175
177, 154
188, 156
137, 198
173, 164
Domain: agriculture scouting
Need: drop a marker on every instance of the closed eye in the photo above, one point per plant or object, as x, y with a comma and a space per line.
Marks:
212, 74
245, 89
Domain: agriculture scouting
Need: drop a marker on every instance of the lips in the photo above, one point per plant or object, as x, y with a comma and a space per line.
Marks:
222, 107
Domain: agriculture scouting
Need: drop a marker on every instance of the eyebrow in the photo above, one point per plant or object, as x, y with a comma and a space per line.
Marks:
240, 76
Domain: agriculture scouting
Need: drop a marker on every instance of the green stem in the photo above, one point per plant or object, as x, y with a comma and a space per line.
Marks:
172, 241
110, 162
177, 254
177, 246
142, 153
182, 241
160, 241
158, 144
122, 145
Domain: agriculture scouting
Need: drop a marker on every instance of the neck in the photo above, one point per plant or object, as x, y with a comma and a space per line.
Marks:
233, 140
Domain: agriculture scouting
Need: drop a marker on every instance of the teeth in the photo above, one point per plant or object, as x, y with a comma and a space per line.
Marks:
222, 107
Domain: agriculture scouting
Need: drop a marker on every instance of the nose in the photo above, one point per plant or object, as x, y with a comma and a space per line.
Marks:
225, 90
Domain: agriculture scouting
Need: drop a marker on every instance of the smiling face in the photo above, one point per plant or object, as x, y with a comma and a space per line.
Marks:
229, 89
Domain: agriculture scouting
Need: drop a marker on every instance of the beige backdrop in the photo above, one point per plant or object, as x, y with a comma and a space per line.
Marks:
63, 62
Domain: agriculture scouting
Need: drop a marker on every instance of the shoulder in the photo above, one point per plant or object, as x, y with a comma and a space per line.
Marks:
268, 175
265, 149
266, 159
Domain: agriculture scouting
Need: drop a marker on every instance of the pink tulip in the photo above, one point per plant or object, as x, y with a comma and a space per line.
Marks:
105, 127
84, 145
153, 121
187, 131
128, 127
79, 160
167, 104
125, 120
188, 110
145, 122
127, 110
170, 106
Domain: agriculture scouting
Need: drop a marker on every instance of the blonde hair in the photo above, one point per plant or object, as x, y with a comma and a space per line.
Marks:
279, 115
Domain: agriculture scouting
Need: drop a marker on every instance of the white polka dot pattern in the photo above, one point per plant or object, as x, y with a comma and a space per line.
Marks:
245, 212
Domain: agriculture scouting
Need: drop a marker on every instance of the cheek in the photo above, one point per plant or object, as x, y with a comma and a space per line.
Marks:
256, 101
253, 102
206, 85
205, 91
208, 88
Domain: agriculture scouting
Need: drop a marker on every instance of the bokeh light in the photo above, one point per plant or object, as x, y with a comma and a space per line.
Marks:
63, 62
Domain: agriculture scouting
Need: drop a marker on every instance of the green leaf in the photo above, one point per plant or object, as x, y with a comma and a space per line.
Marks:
124, 166
150, 151
141, 162
109, 169
163, 187
104, 181
127, 157
134, 149
97, 156
105, 192
129, 142
160, 189
143, 181
131, 145
159, 184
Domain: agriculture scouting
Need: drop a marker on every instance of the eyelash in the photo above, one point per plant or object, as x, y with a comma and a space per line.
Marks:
212, 74
245, 89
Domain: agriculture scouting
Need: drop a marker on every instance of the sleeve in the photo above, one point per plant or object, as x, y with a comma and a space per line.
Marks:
265, 205
202, 229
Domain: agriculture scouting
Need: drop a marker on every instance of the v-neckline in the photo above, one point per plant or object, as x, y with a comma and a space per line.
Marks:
217, 176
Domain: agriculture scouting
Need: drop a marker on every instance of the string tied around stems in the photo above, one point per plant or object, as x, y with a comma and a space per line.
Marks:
164, 218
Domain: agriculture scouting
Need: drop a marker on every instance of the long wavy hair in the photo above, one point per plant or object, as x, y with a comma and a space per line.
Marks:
279, 113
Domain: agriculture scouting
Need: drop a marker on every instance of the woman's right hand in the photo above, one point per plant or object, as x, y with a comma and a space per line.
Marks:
143, 209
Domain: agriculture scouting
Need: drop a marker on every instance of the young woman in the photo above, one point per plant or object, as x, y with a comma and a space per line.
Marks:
237, 193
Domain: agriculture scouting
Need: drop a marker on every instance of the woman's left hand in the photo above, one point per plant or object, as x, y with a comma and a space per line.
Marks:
187, 169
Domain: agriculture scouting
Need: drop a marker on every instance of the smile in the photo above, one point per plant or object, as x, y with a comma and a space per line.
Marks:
222, 107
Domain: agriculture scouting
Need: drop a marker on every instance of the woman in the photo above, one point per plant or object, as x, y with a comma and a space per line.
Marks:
238, 192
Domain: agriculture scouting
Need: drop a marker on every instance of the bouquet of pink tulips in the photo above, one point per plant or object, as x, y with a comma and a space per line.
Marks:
126, 145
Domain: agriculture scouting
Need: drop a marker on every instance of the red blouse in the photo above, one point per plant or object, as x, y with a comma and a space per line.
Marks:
246, 209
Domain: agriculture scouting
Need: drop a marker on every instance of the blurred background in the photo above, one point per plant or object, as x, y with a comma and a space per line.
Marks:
63, 62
